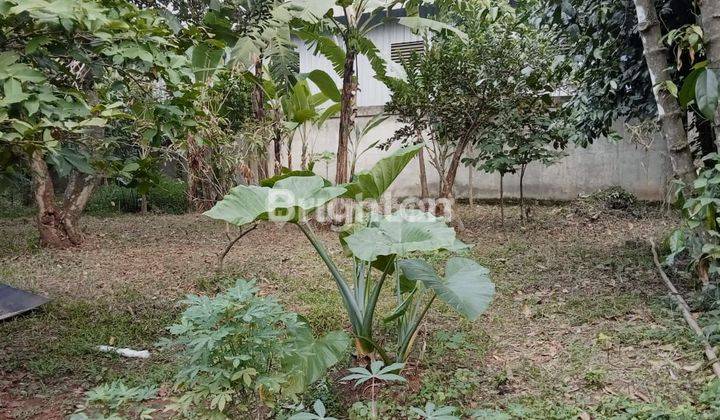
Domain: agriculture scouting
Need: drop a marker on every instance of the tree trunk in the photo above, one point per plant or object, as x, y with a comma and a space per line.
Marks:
710, 20
423, 175
471, 193
59, 228
143, 204
669, 113
449, 182
277, 143
201, 192
258, 108
502, 201
522, 198
347, 116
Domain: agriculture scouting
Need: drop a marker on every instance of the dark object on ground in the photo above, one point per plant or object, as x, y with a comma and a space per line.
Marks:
14, 301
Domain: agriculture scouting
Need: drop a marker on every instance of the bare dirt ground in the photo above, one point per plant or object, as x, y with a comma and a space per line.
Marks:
580, 314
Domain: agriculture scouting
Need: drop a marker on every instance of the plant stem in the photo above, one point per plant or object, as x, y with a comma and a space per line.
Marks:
345, 292
406, 340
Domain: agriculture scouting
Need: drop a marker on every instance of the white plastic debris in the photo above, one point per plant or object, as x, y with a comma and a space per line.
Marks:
140, 354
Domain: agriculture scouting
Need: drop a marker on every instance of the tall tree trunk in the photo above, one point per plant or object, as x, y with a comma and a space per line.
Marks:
669, 112
59, 228
502, 201
258, 108
522, 197
710, 20
347, 116
424, 193
277, 143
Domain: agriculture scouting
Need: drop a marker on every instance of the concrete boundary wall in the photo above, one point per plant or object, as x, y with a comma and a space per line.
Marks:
640, 170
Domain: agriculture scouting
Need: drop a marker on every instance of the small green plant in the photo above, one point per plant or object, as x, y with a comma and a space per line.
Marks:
113, 397
238, 346
431, 412
377, 372
595, 378
319, 413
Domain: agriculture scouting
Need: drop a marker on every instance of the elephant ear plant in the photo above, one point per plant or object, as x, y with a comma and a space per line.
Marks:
382, 247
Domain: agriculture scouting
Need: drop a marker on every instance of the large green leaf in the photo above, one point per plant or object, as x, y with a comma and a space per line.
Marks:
326, 84
707, 93
290, 197
374, 182
313, 356
205, 60
402, 233
466, 288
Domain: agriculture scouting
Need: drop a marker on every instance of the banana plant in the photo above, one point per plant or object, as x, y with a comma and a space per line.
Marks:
380, 246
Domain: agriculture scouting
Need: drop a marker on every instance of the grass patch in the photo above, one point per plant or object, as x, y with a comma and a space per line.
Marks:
63, 337
587, 309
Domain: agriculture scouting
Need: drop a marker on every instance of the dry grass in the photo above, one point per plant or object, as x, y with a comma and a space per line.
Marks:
580, 313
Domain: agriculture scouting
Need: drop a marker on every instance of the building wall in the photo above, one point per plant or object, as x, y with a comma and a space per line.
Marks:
637, 169
372, 92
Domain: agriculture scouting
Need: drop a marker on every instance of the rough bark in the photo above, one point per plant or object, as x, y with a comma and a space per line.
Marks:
59, 228
710, 20
348, 113
669, 113
277, 145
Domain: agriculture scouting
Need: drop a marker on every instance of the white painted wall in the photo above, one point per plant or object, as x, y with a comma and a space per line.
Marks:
585, 170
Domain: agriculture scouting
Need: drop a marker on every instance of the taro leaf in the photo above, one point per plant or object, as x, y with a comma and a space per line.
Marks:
374, 182
466, 288
313, 356
401, 233
298, 195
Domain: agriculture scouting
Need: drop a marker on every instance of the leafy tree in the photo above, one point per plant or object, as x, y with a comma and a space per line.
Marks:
65, 68
455, 97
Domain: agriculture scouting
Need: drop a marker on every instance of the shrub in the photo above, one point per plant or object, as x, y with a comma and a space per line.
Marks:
113, 198
238, 347
168, 196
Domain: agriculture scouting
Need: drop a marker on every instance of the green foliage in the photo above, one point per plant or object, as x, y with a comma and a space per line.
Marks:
319, 413
116, 394
377, 243
113, 198
238, 346
432, 412
167, 196
378, 372
698, 236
